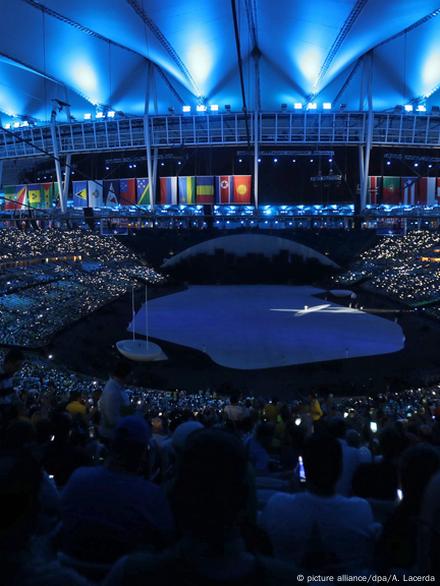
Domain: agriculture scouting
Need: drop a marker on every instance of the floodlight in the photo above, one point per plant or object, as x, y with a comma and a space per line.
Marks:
201, 108
409, 107
99, 114
297, 106
111, 114
421, 108
327, 106
214, 107
7, 126
87, 116
186, 108
16, 124
312, 106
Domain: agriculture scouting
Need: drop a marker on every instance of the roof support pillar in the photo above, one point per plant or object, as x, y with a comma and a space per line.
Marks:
147, 135
56, 154
256, 135
369, 134
67, 176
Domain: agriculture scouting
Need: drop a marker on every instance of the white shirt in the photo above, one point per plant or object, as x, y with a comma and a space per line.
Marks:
114, 397
341, 528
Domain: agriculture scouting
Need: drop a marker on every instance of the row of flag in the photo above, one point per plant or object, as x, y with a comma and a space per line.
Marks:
224, 189
404, 190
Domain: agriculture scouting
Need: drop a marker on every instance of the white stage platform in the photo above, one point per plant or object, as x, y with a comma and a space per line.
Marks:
266, 326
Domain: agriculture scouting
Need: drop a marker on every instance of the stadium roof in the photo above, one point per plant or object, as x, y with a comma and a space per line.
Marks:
93, 53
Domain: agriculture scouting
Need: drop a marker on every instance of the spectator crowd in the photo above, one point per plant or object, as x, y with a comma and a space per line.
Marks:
107, 483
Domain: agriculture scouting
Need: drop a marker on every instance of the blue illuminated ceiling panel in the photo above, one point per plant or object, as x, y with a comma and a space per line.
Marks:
95, 53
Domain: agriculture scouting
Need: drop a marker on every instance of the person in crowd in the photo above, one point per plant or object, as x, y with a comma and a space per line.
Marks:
24, 559
114, 402
110, 510
62, 456
212, 489
12, 364
271, 410
379, 479
428, 546
235, 412
318, 529
315, 408
258, 447
75, 406
397, 547
351, 457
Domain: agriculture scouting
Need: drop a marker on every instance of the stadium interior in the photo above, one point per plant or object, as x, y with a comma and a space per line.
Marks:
219, 292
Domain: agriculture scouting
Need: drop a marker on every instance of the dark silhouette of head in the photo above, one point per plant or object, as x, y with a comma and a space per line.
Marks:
13, 360
121, 370
211, 486
417, 466
322, 455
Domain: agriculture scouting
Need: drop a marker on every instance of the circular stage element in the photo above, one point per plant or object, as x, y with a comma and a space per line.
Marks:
139, 350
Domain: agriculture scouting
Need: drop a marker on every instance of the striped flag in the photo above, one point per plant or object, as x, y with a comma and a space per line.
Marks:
242, 189
409, 188
127, 193
47, 189
427, 191
187, 190
96, 197
391, 190
374, 188
224, 189
205, 189
16, 197
143, 191
80, 194
34, 195
168, 191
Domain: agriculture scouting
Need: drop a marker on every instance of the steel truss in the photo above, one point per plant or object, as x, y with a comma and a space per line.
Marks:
223, 130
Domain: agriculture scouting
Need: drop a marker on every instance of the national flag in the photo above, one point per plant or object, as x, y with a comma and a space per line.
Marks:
111, 192
80, 194
47, 199
143, 191
127, 193
224, 189
205, 189
34, 195
409, 189
427, 191
187, 190
242, 189
374, 188
15, 197
96, 199
168, 190
391, 190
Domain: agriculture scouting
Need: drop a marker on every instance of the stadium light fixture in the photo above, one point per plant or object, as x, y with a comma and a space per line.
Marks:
111, 114
408, 107
312, 106
327, 106
388, 162
421, 108
24, 124
201, 108
16, 124
275, 160
297, 106
7, 126
430, 166
416, 164
186, 108
87, 116
213, 107
99, 115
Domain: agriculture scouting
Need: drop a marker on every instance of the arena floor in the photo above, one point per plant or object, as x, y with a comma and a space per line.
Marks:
250, 327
